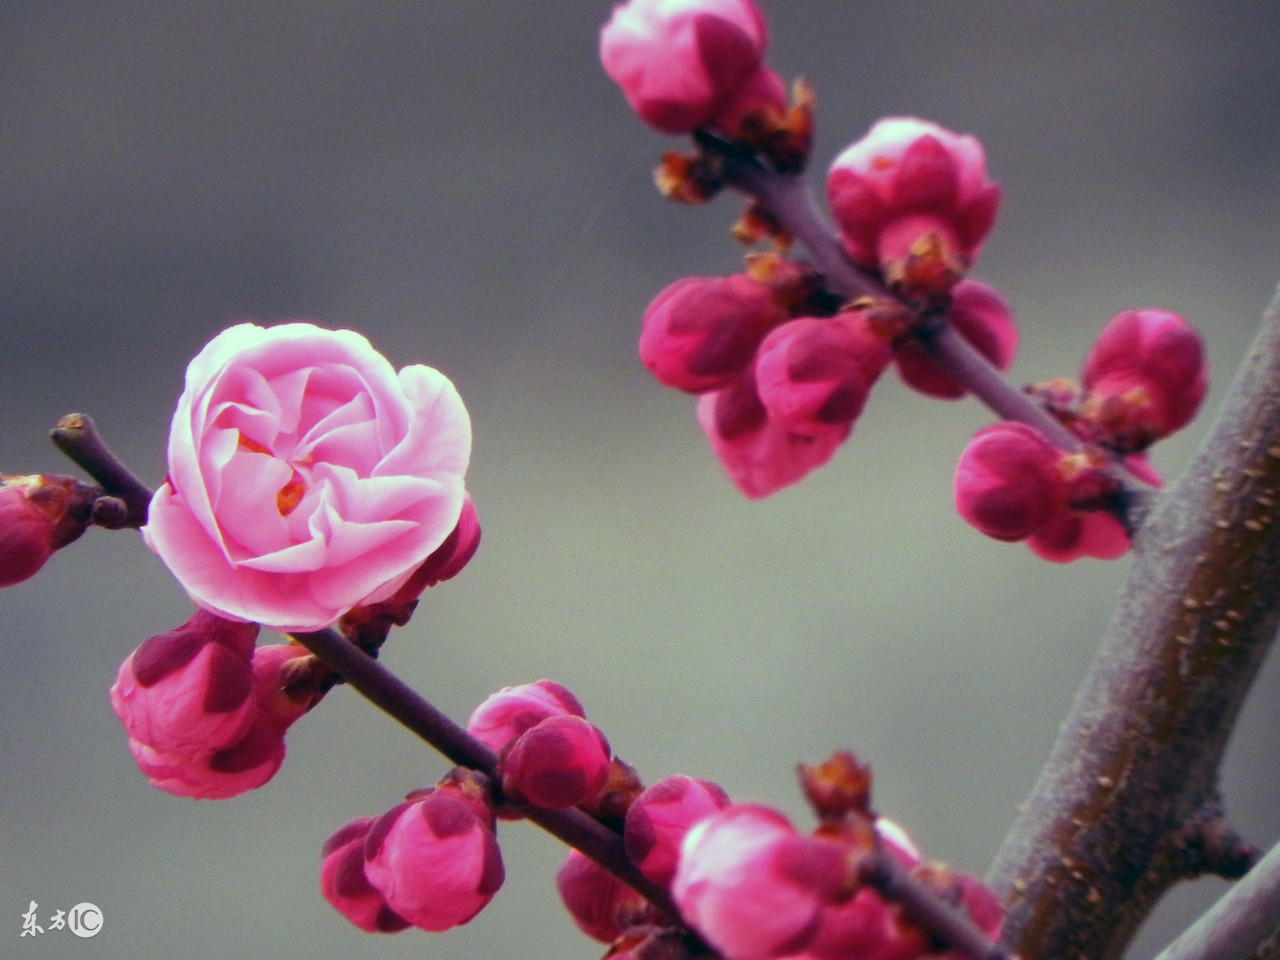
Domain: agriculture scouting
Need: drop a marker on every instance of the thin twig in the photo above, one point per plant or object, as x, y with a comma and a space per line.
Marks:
77, 437
1240, 924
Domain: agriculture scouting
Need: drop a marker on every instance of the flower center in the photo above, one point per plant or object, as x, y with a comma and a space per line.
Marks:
290, 495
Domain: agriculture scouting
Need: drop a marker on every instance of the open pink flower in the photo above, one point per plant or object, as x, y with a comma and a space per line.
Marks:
305, 475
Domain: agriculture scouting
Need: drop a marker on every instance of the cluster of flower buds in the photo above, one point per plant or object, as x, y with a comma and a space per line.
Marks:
783, 372
206, 711
746, 883
1143, 380
784, 355
782, 362
756, 888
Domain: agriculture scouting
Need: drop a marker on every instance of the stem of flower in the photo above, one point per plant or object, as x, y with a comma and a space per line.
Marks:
77, 437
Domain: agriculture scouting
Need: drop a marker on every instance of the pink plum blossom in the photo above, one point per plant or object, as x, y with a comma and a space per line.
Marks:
602, 906
344, 885
758, 454
679, 61
659, 818
513, 710
979, 315
559, 762
435, 859
305, 475
905, 180
1145, 377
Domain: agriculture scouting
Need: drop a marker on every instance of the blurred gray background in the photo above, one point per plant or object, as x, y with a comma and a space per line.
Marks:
461, 182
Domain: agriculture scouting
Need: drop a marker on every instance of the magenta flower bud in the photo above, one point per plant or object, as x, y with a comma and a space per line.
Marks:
865, 926
26, 531
678, 61
701, 332
189, 689
1005, 482
659, 818
601, 905
1145, 378
1012, 484
758, 454
813, 375
513, 710
907, 179
980, 316
1070, 535
753, 887
344, 885
216, 775
435, 860
559, 762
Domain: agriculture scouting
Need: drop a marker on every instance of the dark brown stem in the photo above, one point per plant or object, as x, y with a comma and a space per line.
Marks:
77, 437
1104, 832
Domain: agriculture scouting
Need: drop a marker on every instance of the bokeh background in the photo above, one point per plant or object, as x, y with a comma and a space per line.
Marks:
460, 182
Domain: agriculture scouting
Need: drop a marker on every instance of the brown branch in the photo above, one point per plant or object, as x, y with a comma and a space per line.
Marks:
1104, 832
77, 437
1243, 925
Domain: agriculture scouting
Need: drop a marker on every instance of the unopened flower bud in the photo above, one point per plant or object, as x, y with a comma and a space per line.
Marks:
189, 689
1012, 484
513, 710
659, 818
905, 182
601, 905
678, 61
1144, 377
344, 885
435, 859
38, 515
980, 316
814, 375
1005, 481
758, 454
752, 886
557, 763
701, 332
